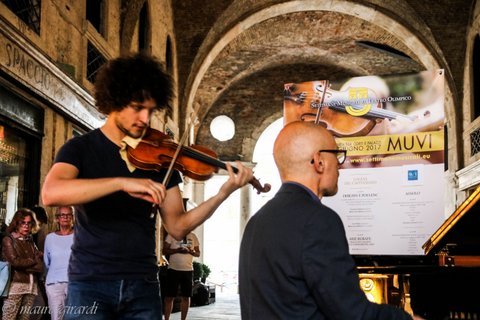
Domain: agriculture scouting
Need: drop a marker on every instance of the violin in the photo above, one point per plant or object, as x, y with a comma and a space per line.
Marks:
157, 150
353, 112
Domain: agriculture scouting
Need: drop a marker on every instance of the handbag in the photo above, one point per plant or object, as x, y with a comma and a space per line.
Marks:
5, 278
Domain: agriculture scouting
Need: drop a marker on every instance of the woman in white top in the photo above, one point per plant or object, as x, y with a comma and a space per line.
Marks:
56, 256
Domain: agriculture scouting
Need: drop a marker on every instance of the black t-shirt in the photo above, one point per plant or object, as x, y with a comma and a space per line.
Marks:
115, 235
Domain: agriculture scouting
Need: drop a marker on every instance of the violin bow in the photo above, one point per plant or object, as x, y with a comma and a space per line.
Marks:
182, 141
168, 175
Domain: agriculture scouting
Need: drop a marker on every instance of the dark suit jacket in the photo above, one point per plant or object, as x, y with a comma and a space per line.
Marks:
295, 264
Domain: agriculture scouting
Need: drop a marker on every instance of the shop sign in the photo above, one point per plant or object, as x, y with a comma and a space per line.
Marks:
32, 69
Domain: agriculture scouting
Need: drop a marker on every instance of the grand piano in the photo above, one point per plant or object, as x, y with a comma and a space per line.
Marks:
442, 284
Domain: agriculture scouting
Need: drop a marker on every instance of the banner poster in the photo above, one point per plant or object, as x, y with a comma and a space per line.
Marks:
390, 190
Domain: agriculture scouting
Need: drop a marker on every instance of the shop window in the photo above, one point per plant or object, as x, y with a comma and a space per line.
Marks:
15, 156
94, 61
474, 142
28, 11
95, 15
476, 76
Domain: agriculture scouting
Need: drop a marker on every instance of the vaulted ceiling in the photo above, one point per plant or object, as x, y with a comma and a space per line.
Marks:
234, 57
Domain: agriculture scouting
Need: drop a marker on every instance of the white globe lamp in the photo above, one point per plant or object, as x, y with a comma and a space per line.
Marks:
222, 128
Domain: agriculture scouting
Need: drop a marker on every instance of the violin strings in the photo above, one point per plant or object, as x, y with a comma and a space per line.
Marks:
196, 154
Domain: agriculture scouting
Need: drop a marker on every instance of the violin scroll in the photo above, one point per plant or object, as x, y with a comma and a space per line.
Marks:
258, 186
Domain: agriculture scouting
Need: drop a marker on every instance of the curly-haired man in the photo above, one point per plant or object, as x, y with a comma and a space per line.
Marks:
113, 268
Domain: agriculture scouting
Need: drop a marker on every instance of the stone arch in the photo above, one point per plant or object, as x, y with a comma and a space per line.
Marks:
421, 44
248, 145
427, 55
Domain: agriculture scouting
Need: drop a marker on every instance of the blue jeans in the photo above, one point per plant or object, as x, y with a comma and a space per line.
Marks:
122, 299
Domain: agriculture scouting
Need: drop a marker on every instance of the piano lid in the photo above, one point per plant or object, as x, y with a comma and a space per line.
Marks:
460, 231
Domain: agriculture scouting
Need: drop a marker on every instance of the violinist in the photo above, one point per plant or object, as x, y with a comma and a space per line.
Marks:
113, 268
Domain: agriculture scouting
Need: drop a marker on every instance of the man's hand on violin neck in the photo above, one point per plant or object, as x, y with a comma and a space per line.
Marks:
236, 180
145, 189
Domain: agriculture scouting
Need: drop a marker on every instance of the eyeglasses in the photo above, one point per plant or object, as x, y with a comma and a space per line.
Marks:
25, 223
341, 154
64, 215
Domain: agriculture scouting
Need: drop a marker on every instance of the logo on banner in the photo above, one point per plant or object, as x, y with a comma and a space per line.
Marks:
412, 175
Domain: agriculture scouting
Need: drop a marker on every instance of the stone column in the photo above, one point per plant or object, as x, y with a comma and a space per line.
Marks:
195, 192
245, 208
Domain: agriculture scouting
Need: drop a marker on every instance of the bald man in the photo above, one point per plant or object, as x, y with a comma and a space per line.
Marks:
294, 257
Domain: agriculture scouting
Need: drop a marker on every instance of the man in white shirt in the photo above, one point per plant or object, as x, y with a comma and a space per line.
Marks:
180, 271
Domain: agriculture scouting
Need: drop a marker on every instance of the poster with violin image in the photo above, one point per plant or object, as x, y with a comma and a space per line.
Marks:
391, 186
